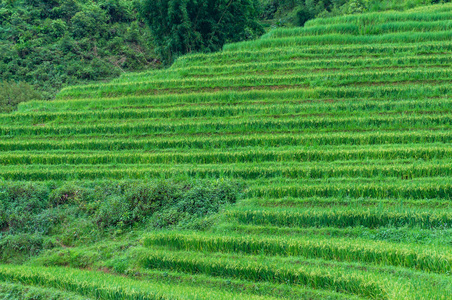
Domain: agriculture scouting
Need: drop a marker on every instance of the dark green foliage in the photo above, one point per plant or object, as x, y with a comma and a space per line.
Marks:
296, 12
303, 15
194, 207
12, 93
173, 201
356, 7
184, 26
52, 44
15, 246
33, 214
268, 8
89, 23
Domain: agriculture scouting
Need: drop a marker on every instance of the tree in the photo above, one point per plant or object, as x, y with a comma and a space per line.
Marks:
184, 26
303, 15
89, 22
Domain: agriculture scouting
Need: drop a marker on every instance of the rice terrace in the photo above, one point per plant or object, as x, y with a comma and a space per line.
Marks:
312, 162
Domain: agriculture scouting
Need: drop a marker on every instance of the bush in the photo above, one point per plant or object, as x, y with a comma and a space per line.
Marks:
13, 247
118, 11
32, 213
356, 7
12, 93
170, 202
67, 194
34, 223
113, 212
207, 198
167, 218
3, 217
134, 205
28, 197
41, 208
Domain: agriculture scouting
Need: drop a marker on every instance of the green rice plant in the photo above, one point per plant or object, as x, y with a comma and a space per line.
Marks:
360, 29
339, 131
308, 52
340, 249
261, 108
248, 269
307, 108
296, 65
105, 286
341, 39
399, 189
247, 171
18, 291
250, 287
411, 91
343, 158
440, 13
334, 202
334, 79
341, 218
223, 142
399, 121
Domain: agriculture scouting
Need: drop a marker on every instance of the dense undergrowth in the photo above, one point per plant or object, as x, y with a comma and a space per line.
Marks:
53, 44
39, 216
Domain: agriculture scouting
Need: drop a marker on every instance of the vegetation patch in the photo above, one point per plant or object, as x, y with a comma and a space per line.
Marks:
53, 44
37, 216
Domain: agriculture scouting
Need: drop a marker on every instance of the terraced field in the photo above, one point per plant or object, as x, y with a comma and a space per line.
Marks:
338, 129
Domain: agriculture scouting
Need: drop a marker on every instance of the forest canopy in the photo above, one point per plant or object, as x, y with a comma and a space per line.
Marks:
183, 26
55, 43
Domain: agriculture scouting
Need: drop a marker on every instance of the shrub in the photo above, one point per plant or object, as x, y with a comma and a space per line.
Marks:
67, 194
171, 202
12, 93
14, 246
74, 212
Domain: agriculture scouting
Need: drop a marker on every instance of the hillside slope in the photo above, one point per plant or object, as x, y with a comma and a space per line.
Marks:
340, 130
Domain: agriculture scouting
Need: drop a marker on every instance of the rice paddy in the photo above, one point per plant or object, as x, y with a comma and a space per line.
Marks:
340, 132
